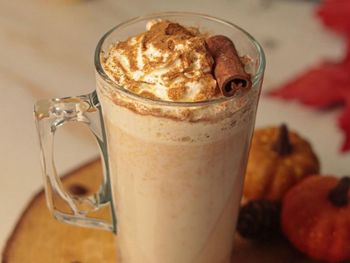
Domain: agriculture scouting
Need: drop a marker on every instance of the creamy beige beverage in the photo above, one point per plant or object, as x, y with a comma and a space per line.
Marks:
173, 115
177, 170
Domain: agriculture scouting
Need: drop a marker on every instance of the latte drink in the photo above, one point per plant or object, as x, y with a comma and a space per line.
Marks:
177, 147
173, 114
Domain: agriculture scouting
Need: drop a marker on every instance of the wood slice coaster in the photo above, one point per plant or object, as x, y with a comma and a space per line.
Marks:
39, 238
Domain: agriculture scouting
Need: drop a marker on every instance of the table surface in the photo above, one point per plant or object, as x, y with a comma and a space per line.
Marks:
47, 51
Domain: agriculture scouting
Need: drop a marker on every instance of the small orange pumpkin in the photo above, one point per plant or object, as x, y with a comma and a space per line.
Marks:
315, 217
278, 159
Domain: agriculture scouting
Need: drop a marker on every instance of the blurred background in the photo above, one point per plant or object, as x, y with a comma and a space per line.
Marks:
46, 51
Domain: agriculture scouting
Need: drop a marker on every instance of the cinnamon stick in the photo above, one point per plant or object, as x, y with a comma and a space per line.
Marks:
228, 69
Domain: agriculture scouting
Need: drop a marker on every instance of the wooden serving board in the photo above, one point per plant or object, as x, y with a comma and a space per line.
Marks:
39, 238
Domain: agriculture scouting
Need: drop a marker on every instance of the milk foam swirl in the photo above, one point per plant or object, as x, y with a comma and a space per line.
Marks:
167, 62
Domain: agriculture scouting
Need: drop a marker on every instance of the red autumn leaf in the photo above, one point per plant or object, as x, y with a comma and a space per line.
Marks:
319, 87
344, 123
322, 87
335, 15
329, 83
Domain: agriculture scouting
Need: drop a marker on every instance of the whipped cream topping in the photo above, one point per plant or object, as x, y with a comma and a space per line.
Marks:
167, 62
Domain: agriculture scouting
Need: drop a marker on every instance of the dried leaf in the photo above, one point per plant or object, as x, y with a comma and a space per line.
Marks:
327, 84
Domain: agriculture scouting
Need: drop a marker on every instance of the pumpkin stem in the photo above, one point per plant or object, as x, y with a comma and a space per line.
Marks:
338, 196
282, 145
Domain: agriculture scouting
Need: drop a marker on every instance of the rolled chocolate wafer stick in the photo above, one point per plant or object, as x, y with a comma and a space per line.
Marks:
228, 69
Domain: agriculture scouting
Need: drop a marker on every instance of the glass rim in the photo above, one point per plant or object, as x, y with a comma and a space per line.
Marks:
98, 66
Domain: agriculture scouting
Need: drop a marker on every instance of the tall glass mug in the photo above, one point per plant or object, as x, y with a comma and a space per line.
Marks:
173, 171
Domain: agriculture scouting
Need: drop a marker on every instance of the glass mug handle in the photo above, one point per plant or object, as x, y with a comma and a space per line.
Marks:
51, 114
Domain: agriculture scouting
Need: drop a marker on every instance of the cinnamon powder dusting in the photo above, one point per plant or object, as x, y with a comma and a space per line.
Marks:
166, 62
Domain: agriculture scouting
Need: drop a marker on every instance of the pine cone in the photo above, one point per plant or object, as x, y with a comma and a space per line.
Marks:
260, 220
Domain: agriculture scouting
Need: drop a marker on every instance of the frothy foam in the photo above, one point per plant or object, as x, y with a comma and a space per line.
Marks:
167, 62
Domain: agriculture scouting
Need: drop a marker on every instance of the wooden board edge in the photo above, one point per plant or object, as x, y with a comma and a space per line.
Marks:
36, 196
